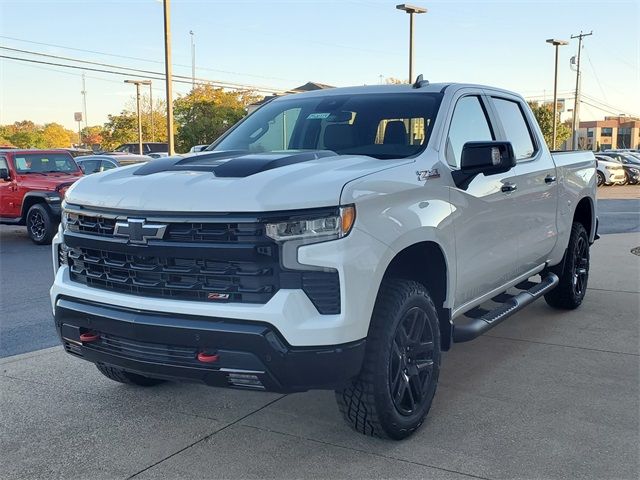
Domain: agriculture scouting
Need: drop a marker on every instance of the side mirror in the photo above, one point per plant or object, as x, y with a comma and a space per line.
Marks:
4, 174
487, 158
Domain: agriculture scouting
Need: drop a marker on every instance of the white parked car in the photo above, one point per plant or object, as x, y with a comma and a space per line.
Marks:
610, 172
338, 239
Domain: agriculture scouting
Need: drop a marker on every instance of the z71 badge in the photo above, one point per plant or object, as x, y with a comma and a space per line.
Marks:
427, 174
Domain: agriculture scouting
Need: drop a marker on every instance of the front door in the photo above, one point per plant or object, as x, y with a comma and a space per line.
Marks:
486, 248
9, 204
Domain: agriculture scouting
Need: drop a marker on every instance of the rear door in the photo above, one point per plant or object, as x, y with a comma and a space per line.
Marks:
486, 247
535, 180
9, 197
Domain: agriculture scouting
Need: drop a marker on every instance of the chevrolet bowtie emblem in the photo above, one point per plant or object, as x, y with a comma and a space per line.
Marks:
138, 231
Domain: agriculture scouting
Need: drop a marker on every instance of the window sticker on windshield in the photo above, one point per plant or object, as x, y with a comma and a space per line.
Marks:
318, 116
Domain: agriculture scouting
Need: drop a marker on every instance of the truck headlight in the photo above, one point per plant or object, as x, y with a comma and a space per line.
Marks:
312, 229
634, 171
67, 219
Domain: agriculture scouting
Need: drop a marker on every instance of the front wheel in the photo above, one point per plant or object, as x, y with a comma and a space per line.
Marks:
574, 277
41, 226
393, 393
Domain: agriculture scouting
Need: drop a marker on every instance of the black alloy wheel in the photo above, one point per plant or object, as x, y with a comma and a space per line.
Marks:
411, 361
36, 226
581, 266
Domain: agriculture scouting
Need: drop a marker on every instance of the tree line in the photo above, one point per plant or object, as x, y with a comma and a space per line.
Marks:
200, 117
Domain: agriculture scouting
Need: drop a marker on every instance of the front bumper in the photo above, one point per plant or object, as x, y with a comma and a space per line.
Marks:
159, 345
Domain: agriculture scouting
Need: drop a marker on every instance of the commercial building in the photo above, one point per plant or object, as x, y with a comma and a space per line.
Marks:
612, 132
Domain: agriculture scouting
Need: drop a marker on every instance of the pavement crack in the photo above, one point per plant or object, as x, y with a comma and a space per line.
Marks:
359, 450
562, 345
614, 291
206, 437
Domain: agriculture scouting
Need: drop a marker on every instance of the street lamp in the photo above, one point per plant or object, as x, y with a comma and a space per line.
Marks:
137, 83
556, 43
411, 9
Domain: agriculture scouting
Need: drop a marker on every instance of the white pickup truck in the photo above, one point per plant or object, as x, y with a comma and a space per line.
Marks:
339, 239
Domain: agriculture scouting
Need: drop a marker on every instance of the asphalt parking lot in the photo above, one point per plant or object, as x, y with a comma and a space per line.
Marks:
547, 394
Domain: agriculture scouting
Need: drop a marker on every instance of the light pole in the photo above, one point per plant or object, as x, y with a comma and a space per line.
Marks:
137, 83
168, 75
556, 43
153, 128
411, 9
193, 60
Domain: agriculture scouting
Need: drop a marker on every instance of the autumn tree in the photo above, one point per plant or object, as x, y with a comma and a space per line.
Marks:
123, 128
544, 116
206, 112
92, 135
55, 135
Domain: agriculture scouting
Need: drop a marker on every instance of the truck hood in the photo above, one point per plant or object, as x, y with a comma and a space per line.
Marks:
227, 182
46, 182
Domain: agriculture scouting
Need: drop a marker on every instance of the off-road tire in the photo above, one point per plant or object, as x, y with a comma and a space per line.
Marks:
367, 404
601, 179
122, 376
572, 286
41, 226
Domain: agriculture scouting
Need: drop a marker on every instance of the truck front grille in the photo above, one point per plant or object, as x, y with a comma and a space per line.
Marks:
226, 232
175, 277
201, 259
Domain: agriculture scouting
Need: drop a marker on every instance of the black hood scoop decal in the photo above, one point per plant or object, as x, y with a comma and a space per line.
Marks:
231, 164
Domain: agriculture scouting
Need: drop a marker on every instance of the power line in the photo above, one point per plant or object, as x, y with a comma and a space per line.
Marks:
139, 59
145, 72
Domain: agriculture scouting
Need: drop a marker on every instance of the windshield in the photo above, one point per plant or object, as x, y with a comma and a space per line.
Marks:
394, 125
45, 163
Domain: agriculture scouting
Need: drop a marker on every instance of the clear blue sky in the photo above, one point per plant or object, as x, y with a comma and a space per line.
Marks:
284, 43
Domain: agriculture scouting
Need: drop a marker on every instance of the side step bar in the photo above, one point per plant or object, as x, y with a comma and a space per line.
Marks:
475, 325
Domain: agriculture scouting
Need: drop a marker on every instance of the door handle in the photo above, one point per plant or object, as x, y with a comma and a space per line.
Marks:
549, 179
509, 187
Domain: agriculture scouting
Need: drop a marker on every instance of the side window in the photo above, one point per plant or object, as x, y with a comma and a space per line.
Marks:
515, 127
106, 165
91, 166
469, 124
3, 163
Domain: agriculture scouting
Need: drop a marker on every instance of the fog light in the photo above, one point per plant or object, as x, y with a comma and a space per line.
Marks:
245, 380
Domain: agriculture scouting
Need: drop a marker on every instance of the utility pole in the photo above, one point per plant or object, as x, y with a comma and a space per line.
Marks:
168, 75
84, 101
576, 106
193, 60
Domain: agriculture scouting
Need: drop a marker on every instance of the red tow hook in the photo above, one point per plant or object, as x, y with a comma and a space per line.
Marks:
208, 357
89, 337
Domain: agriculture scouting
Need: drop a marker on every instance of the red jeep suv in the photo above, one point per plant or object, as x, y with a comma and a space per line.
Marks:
32, 185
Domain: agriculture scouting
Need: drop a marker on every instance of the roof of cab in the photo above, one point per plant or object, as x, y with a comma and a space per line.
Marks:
393, 88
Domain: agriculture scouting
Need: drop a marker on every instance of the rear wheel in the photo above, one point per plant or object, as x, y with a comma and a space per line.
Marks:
41, 226
601, 179
393, 393
572, 286
122, 376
